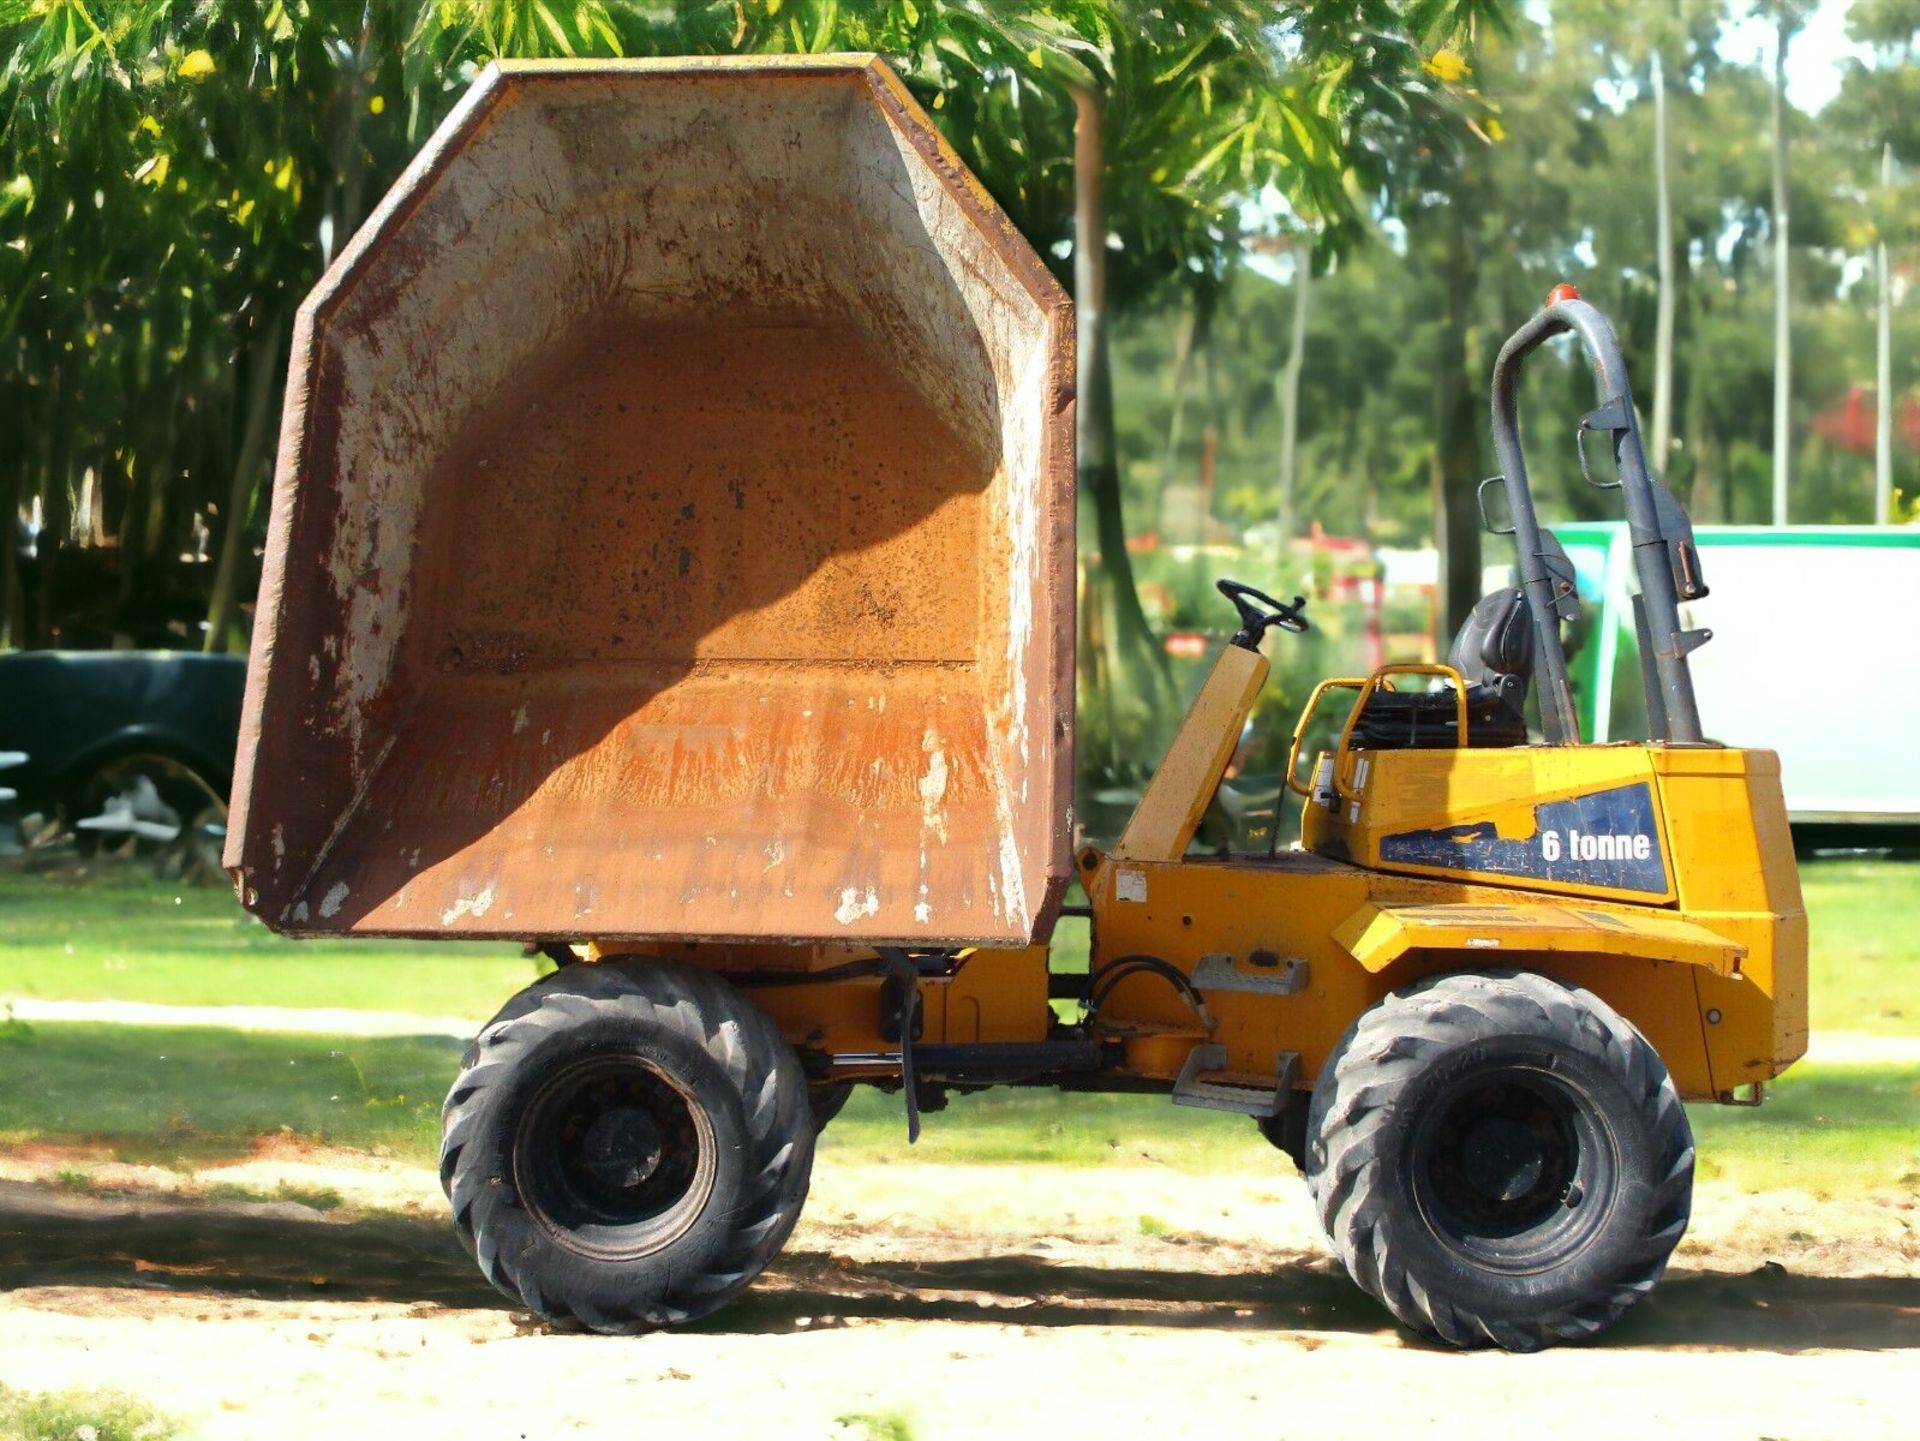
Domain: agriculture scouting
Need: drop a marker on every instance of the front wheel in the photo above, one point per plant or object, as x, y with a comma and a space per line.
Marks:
1500, 1158
627, 1145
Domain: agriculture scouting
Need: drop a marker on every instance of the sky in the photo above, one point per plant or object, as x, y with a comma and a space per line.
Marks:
1816, 63
1816, 57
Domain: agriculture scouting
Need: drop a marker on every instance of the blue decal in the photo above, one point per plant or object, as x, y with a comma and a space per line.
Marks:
1605, 839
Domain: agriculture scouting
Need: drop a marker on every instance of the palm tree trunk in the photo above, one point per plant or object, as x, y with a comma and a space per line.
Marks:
12, 484
1885, 401
1192, 351
347, 191
1210, 433
1290, 391
1130, 656
265, 372
1782, 298
1663, 324
1183, 334
56, 492
1703, 496
1367, 462
1458, 421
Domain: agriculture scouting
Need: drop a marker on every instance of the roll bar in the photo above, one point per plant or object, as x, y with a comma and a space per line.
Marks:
1664, 557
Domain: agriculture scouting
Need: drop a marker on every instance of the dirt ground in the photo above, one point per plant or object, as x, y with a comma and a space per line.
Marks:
951, 1301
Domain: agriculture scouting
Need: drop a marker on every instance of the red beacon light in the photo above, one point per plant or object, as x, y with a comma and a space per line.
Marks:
1560, 292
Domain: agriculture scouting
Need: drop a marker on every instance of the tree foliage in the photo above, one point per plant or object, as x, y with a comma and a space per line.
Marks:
1562, 190
174, 177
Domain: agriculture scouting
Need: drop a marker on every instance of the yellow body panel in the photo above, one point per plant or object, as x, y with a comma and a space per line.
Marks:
1396, 794
992, 996
1297, 905
1377, 936
1162, 825
1733, 859
1660, 878
1718, 1020
1715, 824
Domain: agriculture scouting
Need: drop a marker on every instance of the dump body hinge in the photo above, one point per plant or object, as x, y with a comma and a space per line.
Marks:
1195, 1088
1271, 976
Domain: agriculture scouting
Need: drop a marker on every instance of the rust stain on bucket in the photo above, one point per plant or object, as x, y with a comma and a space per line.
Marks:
673, 533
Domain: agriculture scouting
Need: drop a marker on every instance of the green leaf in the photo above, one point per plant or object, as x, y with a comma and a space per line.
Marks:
1185, 63
824, 27
1212, 158
551, 24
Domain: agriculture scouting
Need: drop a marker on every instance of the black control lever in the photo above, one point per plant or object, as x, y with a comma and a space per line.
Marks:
1253, 620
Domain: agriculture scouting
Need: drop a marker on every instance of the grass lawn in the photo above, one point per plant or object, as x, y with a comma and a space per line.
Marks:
1836, 1130
98, 1415
1863, 917
159, 1094
187, 1094
122, 936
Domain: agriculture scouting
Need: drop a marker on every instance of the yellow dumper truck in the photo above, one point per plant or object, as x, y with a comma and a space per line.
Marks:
671, 567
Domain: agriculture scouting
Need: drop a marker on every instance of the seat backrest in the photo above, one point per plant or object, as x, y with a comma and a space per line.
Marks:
1496, 641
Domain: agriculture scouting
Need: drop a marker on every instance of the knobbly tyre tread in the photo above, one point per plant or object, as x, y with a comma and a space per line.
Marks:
1351, 1153
766, 1081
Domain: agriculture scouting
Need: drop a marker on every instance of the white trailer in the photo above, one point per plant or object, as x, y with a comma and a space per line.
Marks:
1846, 596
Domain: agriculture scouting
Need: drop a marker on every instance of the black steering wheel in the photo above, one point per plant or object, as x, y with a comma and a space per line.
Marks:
1253, 620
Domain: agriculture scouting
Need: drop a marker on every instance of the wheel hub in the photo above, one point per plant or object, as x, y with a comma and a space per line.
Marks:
1501, 1167
623, 1147
1502, 1160
614, 1157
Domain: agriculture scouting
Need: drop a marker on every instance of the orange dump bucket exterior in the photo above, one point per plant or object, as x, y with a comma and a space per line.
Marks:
673, 533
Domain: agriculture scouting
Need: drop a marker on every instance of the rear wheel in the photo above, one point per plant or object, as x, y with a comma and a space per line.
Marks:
1500, 1158
628, 1144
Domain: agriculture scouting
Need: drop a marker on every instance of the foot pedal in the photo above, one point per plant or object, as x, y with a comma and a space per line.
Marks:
1217, 972
1202, 1084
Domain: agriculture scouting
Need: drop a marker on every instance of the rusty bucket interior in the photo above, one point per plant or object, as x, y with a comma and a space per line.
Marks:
673, 533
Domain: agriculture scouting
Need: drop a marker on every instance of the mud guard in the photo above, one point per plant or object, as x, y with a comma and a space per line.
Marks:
1377, 936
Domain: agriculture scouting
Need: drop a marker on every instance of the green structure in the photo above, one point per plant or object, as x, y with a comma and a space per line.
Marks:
1844, 597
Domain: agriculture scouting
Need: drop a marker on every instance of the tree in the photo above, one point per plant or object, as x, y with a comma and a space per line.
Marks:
1132, 672
1447, 162
1885, 397
258, 129
1182, 112
1289, 386
177, 176
1561, 190
1879, 107
1662, 438
1787, 18
1653, 49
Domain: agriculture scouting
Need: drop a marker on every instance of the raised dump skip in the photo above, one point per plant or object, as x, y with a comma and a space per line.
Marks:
673, 534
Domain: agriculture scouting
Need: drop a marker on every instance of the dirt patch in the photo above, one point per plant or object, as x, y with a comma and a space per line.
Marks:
963, 1300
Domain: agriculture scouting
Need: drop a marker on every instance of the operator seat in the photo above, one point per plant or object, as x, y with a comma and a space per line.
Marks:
1494, 655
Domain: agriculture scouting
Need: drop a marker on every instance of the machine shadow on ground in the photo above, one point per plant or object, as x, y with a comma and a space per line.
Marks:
284, 1251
